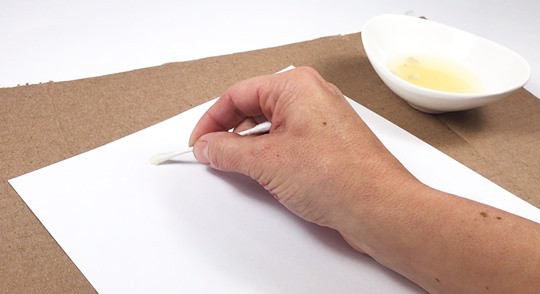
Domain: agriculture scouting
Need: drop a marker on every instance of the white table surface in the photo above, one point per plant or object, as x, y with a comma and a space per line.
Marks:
62, 40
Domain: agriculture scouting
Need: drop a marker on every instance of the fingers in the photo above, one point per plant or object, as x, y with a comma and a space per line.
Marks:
255, 97
240, 101
248, 123
225, 151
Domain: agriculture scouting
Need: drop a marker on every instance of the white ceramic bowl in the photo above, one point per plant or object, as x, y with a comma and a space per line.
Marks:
498, 69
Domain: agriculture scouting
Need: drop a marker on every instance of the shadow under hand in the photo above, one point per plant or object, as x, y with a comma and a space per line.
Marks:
179, 161
328, 238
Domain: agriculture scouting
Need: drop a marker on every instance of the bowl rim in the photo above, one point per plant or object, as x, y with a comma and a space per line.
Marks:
438, 93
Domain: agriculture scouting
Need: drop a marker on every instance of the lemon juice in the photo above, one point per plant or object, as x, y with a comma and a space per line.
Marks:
435, 73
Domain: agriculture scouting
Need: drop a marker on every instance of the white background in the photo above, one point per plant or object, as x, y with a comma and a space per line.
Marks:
64, 40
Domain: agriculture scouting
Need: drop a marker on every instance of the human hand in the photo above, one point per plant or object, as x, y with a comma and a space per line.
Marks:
319, 160
324, 164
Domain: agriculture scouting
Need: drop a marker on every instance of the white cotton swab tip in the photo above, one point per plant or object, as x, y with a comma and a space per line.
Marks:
162, 157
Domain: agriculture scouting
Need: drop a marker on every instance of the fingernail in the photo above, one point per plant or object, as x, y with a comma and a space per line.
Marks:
201, 152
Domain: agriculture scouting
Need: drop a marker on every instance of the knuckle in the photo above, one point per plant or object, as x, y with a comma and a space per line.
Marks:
307, 69
334, 89
307, 72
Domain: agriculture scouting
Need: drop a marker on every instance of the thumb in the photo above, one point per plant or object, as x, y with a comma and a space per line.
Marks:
224, 151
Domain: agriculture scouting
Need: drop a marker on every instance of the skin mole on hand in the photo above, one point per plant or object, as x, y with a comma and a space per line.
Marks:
483, 214
324, 123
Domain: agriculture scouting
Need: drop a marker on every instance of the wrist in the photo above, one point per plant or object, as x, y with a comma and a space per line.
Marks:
379, 217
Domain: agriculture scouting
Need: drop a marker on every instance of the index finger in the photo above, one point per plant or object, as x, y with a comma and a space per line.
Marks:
242, 100
254, 97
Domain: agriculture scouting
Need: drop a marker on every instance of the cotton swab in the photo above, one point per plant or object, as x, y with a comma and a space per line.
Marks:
162, 157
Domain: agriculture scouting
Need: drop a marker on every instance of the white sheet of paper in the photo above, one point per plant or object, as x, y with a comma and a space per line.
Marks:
180, 227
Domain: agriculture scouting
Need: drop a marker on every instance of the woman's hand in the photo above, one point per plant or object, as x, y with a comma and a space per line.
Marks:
320, 160
324, 164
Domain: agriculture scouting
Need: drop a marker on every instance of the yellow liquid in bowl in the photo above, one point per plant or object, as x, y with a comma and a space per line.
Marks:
435, 73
